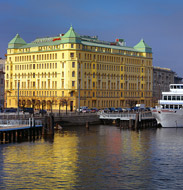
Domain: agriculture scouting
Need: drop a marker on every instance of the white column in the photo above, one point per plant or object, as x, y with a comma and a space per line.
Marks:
87, 81
51, 81
26, 82
36, 83
40, 82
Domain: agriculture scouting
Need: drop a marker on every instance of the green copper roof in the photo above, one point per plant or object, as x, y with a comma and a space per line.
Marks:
143, 47
71, 36
16, 42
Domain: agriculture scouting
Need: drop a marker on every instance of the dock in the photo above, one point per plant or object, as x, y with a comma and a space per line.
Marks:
19, 133
131, 120
29, 129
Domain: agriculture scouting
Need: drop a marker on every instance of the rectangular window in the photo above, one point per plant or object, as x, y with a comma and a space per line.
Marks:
73, 83
73, 64
62, 83
71, 54
93, 84
72, 45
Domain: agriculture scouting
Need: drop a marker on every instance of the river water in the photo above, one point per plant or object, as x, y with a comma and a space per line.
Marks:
101, 158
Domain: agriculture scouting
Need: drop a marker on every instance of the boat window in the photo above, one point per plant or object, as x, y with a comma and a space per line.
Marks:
180, 106
171, 86
169, 97
173, 97
167, 106
178, 97
175, 106
171, 106
163, 106
175, 87
181, 97
178, 87
181, 87
165, 97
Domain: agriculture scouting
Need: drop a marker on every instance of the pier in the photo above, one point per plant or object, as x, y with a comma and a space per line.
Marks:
17, 128
129, 120
20, 133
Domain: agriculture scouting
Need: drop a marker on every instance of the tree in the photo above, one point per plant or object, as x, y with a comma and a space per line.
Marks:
51, 103
131, 102
43, 104
60, 104
33, 103
65, 101
22, 103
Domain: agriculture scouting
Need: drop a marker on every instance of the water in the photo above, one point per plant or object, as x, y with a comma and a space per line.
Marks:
102, 158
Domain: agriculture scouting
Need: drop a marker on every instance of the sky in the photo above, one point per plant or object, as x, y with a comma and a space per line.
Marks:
158, 22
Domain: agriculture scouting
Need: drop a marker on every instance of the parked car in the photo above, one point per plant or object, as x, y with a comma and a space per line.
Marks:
147, 109
112, 109
94, 110
126, 109
28, 110
86, 110
135, 108
119, 109
82, 108
42, 112
10, 110
106, 110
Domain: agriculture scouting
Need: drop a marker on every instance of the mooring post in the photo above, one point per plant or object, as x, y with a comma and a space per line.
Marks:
87, 125
130, 123
48, 125
136, 120
30, 122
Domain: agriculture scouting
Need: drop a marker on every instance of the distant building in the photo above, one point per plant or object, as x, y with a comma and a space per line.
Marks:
70, 68
2, 64
177, 79
2, 95
162, 78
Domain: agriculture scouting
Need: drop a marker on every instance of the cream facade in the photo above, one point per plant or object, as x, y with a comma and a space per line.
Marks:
50, 72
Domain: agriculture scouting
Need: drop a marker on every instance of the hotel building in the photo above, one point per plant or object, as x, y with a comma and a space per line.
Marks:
74, 69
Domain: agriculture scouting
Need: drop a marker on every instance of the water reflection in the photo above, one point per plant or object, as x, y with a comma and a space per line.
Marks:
103, 157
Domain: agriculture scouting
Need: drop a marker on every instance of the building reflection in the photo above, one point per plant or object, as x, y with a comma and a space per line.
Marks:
41, 164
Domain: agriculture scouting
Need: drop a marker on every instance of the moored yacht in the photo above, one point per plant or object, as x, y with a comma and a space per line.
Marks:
169, 113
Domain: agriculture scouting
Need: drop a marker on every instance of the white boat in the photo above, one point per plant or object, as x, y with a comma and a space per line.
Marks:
169, 113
